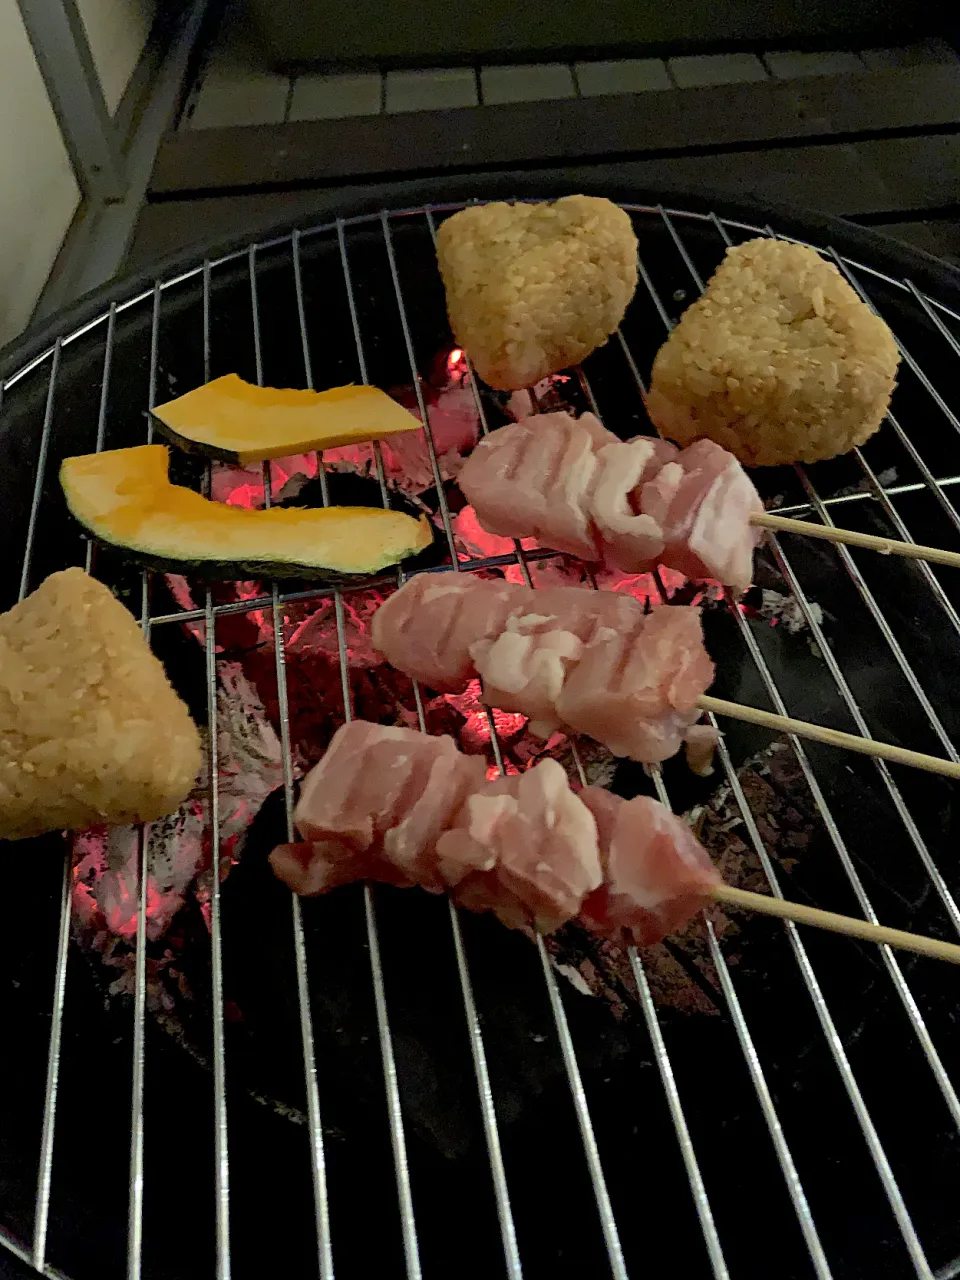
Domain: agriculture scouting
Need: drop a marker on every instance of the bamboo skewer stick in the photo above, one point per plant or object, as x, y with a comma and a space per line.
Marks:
832, 737
835, 923
886, 546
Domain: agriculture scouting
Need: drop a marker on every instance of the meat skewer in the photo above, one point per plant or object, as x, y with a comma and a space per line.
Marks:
633, 504
832, 737
850, 538
574, 486
398, 806
582, 661
833, 922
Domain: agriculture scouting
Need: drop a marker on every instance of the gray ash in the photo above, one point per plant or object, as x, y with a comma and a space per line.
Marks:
679, 970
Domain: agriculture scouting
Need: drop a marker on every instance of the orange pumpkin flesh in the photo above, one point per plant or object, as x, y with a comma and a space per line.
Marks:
124, 497
236, 421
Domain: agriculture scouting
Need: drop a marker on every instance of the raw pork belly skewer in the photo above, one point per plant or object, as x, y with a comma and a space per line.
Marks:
588, 662
398, 806
582, 661
574, 486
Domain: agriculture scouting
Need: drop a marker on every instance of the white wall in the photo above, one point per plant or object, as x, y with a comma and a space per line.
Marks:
38, 192
117, 31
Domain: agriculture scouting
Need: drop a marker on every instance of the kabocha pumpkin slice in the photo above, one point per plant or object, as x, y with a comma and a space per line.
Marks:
124, 497
236, 421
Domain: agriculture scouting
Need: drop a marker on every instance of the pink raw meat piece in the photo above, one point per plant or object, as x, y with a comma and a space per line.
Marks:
366, 782
589, 661
573, 486
329, 804
703, 501
397, 806
636, 691
374, 806
524, 847
570, 484
425, 628
312, 867
483, 613
630, 539
700, 745
410, 844
525, 667
578, 609
656, 874
605, 807
532, 479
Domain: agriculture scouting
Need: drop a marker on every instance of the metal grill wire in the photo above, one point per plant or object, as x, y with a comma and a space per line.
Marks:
814, 505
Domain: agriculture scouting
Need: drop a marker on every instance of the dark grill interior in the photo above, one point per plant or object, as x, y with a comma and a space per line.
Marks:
796, 1118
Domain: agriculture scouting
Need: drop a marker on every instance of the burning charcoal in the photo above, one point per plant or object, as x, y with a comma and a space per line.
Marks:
408, 468
105, 895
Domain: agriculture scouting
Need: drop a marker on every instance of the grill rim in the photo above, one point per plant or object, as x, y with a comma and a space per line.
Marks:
898, 259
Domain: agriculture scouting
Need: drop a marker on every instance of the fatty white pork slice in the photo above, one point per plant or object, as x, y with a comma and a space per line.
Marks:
656, 874
426, 628
636, 691
526, 666
572, 485
703, 500
525, 848
629, 538
532, 479
582, 661
374, 807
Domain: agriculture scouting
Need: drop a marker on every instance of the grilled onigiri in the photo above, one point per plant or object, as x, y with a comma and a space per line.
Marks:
91, 731
534, 288
779, 360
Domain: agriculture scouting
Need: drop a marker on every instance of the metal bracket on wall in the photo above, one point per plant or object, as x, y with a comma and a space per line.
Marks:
62, 50
112, 165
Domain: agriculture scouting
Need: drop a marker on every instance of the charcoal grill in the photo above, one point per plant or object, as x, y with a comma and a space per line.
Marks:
373, 1084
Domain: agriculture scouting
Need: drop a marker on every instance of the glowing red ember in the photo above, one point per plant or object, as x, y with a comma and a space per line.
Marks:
457, 364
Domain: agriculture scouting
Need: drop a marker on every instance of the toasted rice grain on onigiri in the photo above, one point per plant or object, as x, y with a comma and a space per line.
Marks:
533, 288
779, 360
91, 731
